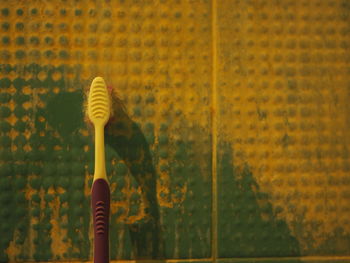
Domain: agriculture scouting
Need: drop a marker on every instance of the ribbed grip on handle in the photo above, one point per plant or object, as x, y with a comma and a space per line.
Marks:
100, 210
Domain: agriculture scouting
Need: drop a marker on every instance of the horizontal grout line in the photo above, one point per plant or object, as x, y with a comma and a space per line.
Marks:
125, 261
303, 258
306, 258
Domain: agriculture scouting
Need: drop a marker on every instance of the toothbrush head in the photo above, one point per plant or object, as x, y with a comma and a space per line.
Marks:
99, 102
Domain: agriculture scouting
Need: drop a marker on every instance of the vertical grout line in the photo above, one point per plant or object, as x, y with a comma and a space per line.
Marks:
214, 237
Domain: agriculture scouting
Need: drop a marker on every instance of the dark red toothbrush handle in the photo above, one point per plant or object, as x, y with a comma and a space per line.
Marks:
100, 203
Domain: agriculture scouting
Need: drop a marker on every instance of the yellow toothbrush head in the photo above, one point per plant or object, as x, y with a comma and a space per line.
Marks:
99, 102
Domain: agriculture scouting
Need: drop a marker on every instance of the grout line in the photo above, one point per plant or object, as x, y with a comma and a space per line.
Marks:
281, 259
214, 110
209, 260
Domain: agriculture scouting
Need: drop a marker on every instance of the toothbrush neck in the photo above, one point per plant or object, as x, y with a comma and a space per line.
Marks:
100, 166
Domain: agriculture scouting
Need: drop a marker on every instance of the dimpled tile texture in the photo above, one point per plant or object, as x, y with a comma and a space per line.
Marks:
283, 100
249, 95
157, 56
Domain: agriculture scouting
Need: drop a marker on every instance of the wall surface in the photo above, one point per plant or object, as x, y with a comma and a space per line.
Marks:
229, 137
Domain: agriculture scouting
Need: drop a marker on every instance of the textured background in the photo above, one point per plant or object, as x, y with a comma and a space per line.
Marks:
229, 140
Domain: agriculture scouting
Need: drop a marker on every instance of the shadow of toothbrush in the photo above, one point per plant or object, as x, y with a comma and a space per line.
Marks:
125, 137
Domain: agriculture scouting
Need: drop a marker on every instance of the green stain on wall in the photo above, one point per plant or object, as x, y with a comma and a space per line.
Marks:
13, 176
7, 227
51, 169
194, 211
337, 243
248, 225
64, 112
43, 240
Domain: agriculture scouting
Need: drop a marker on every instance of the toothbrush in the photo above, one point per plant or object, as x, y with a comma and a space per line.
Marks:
99, 104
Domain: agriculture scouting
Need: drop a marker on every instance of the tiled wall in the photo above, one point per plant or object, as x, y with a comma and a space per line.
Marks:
228, 141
